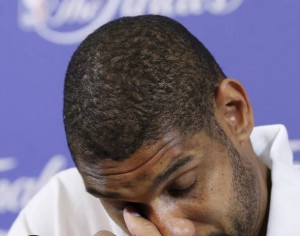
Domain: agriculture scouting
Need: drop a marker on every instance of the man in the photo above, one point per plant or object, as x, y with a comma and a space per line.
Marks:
162, 138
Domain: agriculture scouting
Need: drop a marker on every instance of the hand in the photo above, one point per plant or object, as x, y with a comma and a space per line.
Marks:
136, 224
104, 233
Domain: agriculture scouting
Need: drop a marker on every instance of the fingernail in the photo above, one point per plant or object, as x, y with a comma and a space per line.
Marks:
132, 211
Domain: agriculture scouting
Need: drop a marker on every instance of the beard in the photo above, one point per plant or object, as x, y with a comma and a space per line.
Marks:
246, 195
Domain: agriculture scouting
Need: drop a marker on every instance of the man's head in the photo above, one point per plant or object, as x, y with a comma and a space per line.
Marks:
132, 81
149, 115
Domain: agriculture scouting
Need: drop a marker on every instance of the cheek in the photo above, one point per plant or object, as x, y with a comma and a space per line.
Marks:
247, 197
216, 180
212, 199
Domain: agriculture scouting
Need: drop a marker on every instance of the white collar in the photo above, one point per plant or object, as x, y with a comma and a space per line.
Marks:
272, 146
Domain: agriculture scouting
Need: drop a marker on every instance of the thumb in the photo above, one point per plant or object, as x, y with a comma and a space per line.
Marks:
104, 233
138, 225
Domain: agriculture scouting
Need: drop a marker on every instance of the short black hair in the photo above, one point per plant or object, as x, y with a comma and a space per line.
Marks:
133, 80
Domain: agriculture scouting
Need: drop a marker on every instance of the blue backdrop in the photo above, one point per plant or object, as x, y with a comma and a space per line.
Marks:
255, 41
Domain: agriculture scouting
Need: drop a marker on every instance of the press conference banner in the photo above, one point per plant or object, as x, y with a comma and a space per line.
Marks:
254, 41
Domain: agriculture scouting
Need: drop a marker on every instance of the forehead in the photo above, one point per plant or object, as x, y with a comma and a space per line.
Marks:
147, 163
146, 154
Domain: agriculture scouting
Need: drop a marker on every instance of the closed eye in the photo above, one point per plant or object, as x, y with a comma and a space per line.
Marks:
182, 192
183, 184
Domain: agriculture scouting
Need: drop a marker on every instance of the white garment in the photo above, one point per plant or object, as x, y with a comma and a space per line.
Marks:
64, 208
272, 146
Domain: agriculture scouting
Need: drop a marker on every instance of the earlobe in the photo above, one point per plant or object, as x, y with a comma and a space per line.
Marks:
233, 109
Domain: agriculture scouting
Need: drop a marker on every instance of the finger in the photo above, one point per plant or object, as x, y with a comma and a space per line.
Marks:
138, 225
104, 233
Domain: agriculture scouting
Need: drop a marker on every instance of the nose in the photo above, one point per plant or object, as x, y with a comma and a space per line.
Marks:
175, 227
170, 220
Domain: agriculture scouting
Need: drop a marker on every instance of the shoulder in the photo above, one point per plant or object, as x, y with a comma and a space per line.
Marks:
62, 207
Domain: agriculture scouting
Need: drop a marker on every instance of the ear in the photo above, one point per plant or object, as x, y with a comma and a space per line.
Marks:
233, 109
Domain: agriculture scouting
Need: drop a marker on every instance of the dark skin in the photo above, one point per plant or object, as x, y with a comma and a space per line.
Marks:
189, 185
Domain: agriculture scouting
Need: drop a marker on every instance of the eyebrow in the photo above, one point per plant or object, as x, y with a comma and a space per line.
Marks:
171, 169
157, 181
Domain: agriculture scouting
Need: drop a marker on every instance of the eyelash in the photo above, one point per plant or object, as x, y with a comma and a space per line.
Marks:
182, 192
